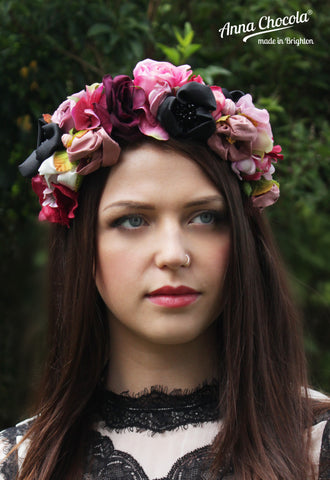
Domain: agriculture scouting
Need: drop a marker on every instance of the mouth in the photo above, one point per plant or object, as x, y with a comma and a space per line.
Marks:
173, 297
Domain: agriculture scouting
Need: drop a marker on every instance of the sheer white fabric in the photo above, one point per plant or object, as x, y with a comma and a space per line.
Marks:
157, 452
173, 445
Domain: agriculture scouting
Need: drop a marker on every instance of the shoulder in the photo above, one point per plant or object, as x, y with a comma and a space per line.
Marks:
9, 438
320, 435
321, 444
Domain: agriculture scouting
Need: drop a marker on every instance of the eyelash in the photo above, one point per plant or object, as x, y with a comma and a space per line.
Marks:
219, 217
119, 222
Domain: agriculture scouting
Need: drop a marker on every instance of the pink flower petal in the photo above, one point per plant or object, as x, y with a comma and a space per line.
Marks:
220, 100
267, 199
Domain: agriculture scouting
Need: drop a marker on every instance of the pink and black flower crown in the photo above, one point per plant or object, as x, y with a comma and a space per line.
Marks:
88, 130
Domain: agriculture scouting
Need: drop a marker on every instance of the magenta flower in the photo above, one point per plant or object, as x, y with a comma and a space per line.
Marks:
58, 202
196, 78
83, 112
275, 154
220, 99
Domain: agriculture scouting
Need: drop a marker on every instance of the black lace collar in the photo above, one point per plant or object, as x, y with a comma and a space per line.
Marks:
159, 410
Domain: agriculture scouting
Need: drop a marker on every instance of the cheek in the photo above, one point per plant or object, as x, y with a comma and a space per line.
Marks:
215, 260
217, 255
116, 273
222, 254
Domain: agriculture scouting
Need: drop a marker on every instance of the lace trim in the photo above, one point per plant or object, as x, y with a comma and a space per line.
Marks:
8, 439
157, 410
105, 462
325, 454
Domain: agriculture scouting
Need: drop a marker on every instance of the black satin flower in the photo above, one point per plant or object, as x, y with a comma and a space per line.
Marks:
188, 114
49, 141
234, 95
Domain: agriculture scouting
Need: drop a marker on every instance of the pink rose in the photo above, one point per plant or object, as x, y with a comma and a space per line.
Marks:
83, 112
264, 140
158, 80
58, 202
63, 116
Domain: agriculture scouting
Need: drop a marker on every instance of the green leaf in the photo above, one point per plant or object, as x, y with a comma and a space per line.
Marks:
172, 54
98, 29
178, 36
190, 50
211, 72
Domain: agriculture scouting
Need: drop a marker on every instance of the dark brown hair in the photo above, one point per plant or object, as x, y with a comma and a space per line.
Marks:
262, 372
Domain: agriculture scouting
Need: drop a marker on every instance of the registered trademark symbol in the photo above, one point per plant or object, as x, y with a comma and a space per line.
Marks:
309, 12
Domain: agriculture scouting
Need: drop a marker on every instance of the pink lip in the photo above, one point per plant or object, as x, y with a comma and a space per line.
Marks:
173, 297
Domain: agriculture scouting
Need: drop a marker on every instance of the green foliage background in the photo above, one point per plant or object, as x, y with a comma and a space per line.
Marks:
50, 48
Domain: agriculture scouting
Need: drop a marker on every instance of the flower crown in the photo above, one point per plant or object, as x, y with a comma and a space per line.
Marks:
88, 129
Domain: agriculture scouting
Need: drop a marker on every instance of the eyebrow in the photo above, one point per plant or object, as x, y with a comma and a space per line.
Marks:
205, 200
147, 206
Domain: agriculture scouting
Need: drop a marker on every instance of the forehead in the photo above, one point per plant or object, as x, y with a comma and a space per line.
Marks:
150, 171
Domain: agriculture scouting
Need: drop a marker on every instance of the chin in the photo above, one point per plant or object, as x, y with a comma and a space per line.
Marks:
177, 336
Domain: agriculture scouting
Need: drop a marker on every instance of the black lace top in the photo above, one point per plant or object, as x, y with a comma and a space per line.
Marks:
159, 411
153, 436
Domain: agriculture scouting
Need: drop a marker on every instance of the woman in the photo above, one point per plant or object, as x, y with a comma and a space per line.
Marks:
175, 350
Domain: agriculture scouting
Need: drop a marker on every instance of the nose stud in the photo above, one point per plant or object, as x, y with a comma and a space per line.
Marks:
187, 260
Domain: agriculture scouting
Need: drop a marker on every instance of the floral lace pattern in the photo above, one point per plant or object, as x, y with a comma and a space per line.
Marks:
159, 411
324, 468
8, 439
105, 462
156, 411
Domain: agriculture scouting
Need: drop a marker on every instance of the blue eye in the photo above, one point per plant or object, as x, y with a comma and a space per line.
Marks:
204, 218
130, 222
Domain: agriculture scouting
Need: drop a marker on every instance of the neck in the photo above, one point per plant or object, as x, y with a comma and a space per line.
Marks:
136, 364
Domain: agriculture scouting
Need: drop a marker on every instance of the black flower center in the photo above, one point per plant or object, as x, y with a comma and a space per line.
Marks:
186, 114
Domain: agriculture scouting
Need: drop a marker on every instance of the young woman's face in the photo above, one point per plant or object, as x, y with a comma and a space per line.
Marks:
157, 208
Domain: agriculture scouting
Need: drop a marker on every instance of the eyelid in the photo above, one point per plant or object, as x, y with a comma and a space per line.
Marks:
218, 214
118, 222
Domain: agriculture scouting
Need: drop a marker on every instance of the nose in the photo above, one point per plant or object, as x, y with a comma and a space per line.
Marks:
171, 251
